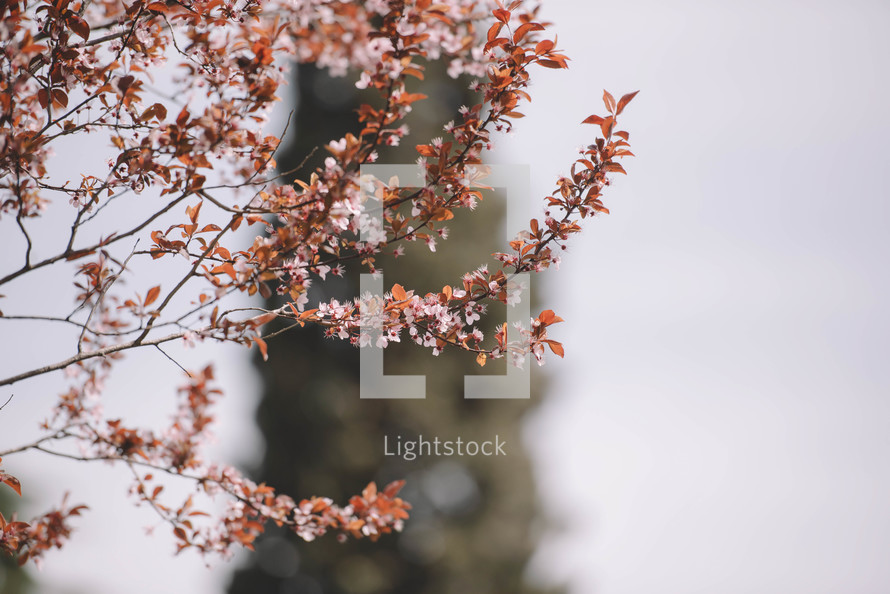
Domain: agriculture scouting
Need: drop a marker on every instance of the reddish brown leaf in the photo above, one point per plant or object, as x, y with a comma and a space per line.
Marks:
543, 47
616, 167
13, 482
609, 101
556, 347
264, 348
523, 29
60, 98
370, 491
398, 292
624, 101
548, 317
494, 30
606, 126
264, 319
152, 295
426, 150
393, 488
78, 25
192, 211
157, 110
501, 15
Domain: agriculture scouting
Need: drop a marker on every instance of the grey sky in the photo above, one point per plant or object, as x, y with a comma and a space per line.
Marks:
720, 424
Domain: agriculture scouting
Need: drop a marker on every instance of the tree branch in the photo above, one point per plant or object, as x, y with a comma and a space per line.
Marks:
89, 355
69, 252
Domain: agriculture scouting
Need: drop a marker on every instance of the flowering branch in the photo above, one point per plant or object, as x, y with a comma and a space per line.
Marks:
194, 163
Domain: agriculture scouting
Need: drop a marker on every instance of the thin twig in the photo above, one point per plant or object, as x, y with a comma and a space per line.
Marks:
89, 355
175, 362
102, 293
282, 330
70, 252
21, 224
190, 274
102, 206
60, 434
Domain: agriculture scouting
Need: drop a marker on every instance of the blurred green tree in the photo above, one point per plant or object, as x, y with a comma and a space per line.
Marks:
473, 523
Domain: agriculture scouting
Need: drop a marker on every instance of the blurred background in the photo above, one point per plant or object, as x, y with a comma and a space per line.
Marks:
719, 423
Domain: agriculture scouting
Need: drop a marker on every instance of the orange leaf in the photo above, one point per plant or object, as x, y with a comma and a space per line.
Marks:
393, 488
13, 482
494, 30
223, 253
413, 72
556, 347
624, 101
501, 15
60, 98
398, 292
543, 46
192, 211
264, 348
264, 319
78, 25
152, 295
606, 126
609, 101
611, 166
525, 28
481, 358
319, 505
547, 317
370, 491
157, 110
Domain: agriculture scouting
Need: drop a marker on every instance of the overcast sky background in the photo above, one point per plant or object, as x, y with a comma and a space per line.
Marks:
719, 424
720, 421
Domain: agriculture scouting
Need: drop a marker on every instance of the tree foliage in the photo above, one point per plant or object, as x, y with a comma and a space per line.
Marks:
72, 69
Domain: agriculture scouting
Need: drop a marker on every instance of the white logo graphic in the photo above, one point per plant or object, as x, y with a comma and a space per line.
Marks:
515, 180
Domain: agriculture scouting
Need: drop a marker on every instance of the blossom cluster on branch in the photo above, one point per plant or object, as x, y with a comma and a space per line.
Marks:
181, 89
